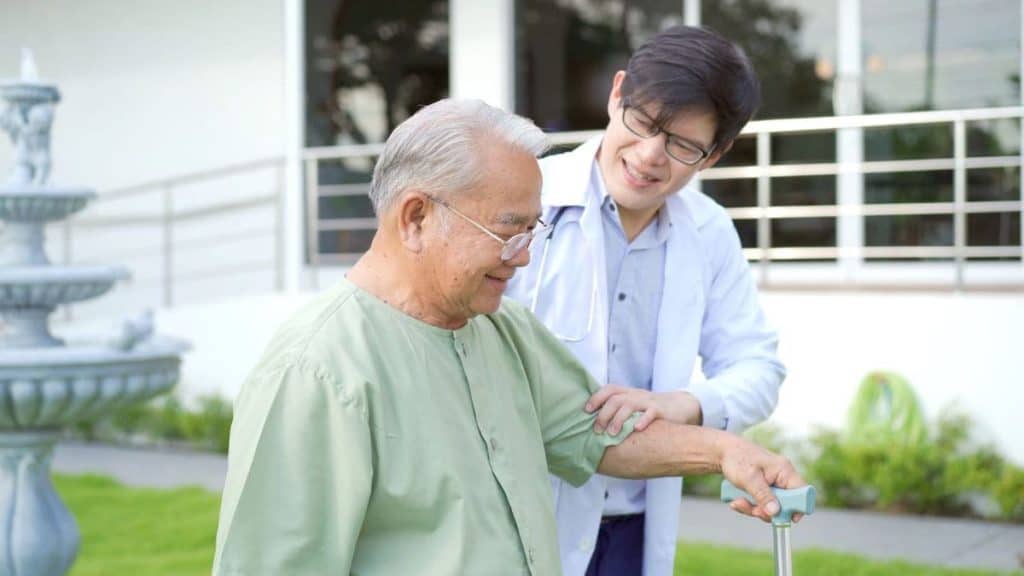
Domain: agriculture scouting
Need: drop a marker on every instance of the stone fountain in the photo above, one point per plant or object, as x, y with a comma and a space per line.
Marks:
45, 383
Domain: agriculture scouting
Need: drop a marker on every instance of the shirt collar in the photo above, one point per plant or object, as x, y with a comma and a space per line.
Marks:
662, 221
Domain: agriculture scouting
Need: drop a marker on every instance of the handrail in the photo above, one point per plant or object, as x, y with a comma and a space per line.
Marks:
163, 214
192, 177
763, 170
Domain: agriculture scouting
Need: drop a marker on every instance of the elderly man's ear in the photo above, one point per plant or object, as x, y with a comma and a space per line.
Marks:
412, 212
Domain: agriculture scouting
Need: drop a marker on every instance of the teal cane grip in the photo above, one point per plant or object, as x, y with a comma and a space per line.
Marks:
790, 501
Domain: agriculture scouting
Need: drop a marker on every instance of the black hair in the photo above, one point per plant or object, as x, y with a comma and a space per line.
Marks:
687, 68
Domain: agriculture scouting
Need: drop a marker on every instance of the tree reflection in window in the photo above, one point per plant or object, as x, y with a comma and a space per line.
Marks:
371, 64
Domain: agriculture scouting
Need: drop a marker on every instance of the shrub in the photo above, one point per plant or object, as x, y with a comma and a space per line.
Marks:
165, 420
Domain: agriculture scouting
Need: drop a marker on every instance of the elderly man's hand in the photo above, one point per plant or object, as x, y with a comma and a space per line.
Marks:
615, 404
755, 470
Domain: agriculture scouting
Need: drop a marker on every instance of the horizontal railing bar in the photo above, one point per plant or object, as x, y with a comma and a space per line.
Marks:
204, 273
333, 224
776, 126
820, 123
192, 177
339, 152
894, 209
206, 241
895, 252
340, 258
870, 167
183, 215
335, 190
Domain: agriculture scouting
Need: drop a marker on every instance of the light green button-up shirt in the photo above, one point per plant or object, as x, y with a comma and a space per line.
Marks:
368, 442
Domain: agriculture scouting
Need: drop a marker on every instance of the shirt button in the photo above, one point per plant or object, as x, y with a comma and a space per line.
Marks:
585, 544
494, 445
529, 555
622, 296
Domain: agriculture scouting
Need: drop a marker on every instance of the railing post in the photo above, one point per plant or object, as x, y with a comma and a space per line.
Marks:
167, 245
313, 219
848, 101
764, 199
959, 199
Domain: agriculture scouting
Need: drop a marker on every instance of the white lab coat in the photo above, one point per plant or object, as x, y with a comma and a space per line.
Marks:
709, 308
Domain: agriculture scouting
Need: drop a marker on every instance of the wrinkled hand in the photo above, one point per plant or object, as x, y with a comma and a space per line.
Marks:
755, 470
617, 403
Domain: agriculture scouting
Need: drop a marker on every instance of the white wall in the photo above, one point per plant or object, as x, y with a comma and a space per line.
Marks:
152, 89
965, 350
961, 350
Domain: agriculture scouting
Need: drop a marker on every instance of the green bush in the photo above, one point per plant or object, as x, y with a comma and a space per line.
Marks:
165, 420
898, 462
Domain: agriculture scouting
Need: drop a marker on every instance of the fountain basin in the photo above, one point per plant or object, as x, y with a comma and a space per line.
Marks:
28, 203
46, 388
43, 287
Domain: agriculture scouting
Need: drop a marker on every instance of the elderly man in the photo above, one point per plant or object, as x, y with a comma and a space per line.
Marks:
405, 421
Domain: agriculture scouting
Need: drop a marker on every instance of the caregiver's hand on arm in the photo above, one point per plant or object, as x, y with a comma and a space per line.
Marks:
667, 449
614, 404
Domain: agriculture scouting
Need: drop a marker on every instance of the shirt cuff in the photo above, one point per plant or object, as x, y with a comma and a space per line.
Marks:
712, 405
595, 447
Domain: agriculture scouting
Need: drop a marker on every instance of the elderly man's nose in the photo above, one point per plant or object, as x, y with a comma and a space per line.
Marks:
521, 259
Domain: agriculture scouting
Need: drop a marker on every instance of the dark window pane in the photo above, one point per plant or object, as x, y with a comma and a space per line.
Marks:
993, 137
345, 241
924, 230
940, 54
732, 193
370, 65
568, 52
747, 229
792, 46
803, 148
345, 207
742, 153
909, 142
804, 191
993, 184
993, 229
803, 232
908, 187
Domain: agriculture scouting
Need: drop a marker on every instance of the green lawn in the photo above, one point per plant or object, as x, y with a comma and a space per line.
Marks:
131, 531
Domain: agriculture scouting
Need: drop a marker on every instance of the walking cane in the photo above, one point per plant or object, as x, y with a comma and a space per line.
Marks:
790, 502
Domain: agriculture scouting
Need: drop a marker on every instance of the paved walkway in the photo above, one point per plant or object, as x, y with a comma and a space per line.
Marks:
945, 542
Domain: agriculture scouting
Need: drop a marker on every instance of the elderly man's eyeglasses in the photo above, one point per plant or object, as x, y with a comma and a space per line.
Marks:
677, 148
509, 248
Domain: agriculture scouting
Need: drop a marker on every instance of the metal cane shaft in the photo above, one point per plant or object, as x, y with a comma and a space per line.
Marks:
781, 550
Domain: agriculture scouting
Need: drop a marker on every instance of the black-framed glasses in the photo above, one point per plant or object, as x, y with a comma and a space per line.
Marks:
676, 147
510, 248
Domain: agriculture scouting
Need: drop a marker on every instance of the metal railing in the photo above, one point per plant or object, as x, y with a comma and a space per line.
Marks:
164, 205
764, 171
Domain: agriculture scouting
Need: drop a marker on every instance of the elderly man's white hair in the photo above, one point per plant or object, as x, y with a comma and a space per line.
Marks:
437, 149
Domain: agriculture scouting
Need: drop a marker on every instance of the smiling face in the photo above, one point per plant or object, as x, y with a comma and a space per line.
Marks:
468, 273
637, 172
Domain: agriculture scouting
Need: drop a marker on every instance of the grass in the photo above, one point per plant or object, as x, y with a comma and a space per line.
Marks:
133, 531
703, 559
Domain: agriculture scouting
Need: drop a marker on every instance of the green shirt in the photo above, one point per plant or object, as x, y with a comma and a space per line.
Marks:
368, 442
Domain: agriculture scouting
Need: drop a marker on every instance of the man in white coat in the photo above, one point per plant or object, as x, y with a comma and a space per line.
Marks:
640, 276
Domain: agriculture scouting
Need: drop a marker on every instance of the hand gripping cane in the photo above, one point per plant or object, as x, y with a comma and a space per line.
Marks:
790, 502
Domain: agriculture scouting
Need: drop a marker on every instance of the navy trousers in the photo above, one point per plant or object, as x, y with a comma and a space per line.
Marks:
619, 550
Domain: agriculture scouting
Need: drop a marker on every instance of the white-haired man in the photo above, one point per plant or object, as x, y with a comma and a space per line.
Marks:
405, 421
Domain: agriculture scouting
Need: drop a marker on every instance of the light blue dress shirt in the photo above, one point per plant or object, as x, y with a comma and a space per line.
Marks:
636, 272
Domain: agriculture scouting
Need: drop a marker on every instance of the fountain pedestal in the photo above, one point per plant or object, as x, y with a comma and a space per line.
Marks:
37, 533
